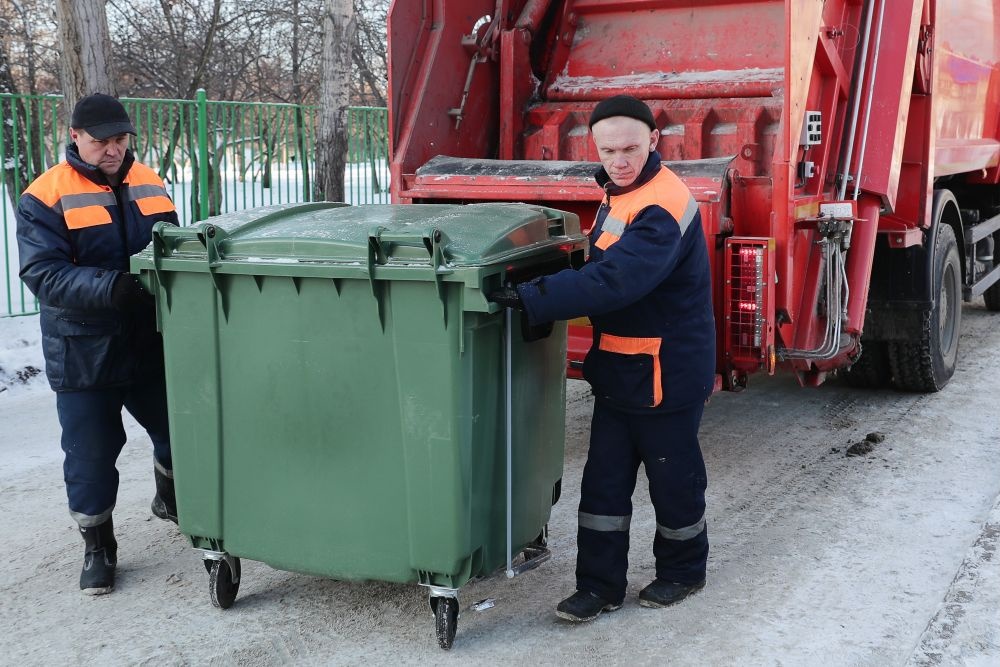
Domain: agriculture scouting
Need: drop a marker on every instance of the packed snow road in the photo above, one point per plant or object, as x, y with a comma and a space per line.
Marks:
886, 558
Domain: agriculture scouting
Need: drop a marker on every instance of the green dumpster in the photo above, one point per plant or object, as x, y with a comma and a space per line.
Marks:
337, 393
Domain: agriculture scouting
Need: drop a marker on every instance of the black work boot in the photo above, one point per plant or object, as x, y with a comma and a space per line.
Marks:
99, 559
164, 502
662, 593
584, 606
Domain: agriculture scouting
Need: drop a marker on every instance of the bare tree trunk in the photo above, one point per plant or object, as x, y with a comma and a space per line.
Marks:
86, 65
331, 142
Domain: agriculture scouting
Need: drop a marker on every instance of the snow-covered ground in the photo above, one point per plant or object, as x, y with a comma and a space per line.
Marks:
891, 558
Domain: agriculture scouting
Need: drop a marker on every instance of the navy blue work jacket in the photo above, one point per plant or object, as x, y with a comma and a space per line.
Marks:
646, 288
75, 234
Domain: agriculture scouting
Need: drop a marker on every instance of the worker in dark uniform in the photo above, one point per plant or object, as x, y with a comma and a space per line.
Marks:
646, 288
77, 226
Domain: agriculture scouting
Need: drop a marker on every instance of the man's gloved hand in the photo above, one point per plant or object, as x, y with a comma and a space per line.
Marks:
128, 294
506, 297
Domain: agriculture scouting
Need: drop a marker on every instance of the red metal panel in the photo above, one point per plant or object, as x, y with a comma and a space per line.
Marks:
802, 27
427, 52
859, 261
893, 84
516, 86
739, 51
966, 93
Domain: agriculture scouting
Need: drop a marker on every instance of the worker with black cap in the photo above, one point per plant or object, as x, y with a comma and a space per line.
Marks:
646, 289
77, 226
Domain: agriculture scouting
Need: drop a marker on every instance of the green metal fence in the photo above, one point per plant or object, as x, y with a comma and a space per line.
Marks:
215, 157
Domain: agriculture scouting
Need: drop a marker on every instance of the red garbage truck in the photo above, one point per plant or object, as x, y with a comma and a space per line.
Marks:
844, 154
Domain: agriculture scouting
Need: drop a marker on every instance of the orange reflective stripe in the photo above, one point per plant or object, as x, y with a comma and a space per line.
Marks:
154, 205
140, 174
676, 196
650, 346
86, 216
82, 202
623, 345
59, 181
606, 240
146, 188
665, 190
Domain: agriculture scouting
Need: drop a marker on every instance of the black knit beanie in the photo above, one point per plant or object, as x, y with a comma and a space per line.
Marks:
623, 105
102, 116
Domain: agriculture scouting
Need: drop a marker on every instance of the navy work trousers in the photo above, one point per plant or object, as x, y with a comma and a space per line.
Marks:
667, 444
93, 437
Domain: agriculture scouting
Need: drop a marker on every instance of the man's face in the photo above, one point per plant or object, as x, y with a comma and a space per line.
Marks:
105, 154
623, 144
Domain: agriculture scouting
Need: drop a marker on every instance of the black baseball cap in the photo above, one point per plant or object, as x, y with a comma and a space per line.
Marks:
623, 105
102, 116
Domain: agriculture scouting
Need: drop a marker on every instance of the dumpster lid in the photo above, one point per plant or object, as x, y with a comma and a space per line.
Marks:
467, 235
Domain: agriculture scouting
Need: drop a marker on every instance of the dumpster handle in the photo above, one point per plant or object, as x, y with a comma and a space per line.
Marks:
159, 231
209, 237
556, 222
376, 255
167, 236
508, 427
433, 240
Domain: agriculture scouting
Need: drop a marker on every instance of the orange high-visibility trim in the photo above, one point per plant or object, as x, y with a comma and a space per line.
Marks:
154, 205
86, 216
63, 182
606, 240
59, 181
627, 345
140, 174
665, 190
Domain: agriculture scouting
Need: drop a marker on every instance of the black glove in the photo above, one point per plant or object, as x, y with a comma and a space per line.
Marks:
128, 294
506, 297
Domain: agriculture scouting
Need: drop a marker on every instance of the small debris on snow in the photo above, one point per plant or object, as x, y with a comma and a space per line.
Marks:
860, 448
483, 605
863, 447
26, 373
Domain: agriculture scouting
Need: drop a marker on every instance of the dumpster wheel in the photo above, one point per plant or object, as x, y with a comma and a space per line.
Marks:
222, 584
445, 620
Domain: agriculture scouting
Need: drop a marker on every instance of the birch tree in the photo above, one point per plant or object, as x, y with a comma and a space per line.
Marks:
335, 96
86, 65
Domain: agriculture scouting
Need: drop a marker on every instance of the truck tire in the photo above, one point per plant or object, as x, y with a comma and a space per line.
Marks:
927, 361
871, 370
992, 297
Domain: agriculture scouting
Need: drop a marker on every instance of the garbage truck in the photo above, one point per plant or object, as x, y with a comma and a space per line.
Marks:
844, 155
